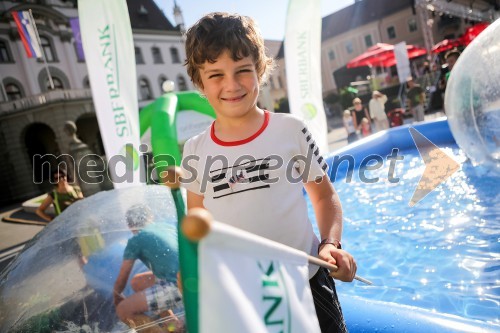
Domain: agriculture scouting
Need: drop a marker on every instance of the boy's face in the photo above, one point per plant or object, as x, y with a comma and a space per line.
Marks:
231, 87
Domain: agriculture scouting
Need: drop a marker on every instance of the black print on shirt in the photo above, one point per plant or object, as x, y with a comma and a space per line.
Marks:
248, 176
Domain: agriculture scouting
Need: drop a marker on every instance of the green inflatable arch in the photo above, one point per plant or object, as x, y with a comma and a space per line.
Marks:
161, 116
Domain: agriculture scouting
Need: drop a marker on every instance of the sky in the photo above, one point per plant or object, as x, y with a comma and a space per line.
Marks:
269, 14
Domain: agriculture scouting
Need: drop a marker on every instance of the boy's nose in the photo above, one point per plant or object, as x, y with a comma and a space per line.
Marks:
232, 83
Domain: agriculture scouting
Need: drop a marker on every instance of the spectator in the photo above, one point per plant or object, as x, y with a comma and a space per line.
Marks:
358, 113
451, 58
62, 196
377, 111
365, 128
349, 127
416, 98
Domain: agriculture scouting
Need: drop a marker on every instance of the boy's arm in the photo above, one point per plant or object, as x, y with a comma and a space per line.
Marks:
121, 280
328, 211
194, 200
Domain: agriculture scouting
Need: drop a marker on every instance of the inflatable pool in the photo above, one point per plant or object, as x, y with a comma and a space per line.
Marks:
435, 265
62, 281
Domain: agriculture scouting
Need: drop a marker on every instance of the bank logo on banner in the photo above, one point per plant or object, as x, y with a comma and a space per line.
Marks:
303, 67
309, 111
276, 307
110, 57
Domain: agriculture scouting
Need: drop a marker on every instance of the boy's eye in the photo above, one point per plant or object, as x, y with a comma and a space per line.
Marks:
244, 71
214, 75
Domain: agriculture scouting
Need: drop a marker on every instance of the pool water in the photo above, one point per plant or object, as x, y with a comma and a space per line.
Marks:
442, 254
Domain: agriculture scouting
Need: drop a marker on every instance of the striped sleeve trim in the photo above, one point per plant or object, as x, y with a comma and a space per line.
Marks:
314, 148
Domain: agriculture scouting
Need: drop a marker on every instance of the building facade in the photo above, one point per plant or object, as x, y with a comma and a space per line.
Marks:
350, 31
32, 116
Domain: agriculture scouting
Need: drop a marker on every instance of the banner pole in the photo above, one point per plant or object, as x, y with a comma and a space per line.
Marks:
188, 253
43, 51
198, 223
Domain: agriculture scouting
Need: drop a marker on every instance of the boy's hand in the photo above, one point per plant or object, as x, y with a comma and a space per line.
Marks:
342, 259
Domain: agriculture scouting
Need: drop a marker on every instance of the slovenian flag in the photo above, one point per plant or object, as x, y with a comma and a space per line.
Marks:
26, 29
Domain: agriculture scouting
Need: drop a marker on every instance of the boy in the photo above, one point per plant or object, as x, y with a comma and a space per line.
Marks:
155, 244
250, 167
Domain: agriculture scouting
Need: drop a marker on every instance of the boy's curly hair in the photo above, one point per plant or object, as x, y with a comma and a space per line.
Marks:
217, 32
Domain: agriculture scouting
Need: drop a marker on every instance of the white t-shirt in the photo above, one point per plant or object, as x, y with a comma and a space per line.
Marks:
256, 184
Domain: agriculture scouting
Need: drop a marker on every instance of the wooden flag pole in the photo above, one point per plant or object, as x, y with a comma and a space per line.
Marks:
197, 223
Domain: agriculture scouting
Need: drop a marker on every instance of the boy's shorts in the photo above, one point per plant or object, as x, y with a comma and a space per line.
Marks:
326, 303
162, 296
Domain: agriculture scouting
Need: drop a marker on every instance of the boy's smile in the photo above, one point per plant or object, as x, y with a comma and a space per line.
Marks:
231, 87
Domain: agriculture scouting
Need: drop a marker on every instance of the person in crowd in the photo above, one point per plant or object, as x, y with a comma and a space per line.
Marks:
155, 291
358, 113
426, 68
349, 127
451, 58
416, 99
366, 129
62, 196
377, 111
226, 60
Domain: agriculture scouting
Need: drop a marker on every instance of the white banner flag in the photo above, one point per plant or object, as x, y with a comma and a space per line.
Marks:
250, 284
303, 67
402, 61
110, 55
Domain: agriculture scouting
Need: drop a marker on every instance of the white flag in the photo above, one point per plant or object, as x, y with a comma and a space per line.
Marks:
250, 284
110, 55
303, 67
402, 61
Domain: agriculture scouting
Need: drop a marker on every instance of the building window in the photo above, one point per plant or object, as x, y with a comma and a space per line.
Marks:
162, 79
48, 50
412, 25
368, 40
139, 59
181, 82
348, 47
57, 84
174, 53
331, 55
13, 92
157, 57
391, 32
145, 90
5, 55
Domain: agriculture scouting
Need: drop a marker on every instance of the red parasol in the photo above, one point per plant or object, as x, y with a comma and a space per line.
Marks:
472, 32
382, 55
445, 45
373, 56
